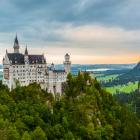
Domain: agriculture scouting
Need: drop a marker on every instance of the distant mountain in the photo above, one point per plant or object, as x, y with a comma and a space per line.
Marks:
132, 75
103, 68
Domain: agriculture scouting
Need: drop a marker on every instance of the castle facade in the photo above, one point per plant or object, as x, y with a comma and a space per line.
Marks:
28, 68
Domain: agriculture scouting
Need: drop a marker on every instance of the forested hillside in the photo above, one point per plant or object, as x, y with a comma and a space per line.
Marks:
132, 75
84, 112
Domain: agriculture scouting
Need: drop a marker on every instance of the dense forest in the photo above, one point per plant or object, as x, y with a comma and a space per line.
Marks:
131, 100
84, 112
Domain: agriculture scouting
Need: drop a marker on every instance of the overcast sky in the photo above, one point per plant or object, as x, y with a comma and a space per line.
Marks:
92, 31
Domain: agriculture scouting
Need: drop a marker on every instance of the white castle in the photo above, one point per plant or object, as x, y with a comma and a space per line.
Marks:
26, 69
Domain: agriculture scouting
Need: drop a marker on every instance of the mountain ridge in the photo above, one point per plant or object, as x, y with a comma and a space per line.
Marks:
133, 74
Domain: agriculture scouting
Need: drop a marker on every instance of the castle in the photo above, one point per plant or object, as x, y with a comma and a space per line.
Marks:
27, 68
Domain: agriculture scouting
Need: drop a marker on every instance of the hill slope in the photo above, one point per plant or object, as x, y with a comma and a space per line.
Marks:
132, 75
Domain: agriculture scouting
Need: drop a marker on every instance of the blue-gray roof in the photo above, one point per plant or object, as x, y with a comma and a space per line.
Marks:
18, 58
37, 59
58, 71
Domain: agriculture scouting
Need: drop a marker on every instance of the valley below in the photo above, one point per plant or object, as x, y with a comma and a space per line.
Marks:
112, 76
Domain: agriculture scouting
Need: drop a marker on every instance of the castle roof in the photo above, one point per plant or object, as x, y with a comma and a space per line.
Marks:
58, 71
18, 58
37, 59
67, 54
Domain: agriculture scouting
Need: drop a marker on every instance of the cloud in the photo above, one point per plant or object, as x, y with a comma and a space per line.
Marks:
94, 33
93, 27
122, 13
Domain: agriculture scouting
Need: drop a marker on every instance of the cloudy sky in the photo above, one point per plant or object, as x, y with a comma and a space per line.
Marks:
92, 31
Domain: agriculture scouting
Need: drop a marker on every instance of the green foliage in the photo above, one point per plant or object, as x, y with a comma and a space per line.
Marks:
123, 88
39, 134
26, 136
13, 133
84, 112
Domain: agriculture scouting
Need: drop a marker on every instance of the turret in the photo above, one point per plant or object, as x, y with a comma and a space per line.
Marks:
26, 57
67, 63
52, 66
16, 45
26, 50
26, 61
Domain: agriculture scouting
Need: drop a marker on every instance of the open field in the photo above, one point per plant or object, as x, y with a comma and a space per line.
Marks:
127, 88
130, 87
106, 78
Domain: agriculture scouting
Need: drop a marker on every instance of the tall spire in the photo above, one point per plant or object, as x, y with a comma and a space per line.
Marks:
26, 51
16, 45
16, 39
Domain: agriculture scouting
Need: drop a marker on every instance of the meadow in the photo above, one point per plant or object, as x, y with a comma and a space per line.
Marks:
126, 88
103, 77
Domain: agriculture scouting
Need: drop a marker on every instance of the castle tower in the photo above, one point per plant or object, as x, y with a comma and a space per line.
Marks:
26, 61
67, 63
16, 45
